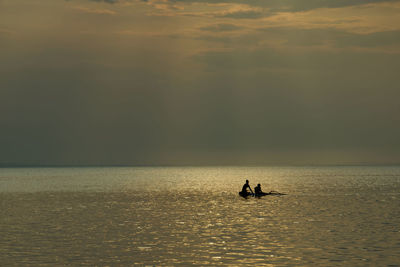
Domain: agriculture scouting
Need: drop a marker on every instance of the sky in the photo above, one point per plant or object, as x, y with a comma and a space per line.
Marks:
199, 82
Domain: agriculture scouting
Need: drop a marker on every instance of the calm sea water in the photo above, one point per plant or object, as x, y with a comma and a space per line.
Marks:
331, 216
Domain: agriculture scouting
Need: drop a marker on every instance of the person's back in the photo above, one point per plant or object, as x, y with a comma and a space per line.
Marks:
244, 188
257, 189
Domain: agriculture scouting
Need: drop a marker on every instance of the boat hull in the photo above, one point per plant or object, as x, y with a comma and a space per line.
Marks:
248, 194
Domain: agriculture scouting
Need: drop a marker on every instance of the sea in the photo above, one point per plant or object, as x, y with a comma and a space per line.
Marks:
185, 216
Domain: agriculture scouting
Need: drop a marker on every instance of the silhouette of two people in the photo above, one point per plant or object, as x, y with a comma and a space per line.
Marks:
257, 190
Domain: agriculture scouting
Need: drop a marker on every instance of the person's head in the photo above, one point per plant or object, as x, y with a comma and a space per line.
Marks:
258, 185
247, 181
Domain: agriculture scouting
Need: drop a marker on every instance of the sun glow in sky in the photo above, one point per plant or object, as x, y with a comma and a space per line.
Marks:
199, 82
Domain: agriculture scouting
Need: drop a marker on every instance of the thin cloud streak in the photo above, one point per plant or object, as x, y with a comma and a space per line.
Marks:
275, 6
94, 11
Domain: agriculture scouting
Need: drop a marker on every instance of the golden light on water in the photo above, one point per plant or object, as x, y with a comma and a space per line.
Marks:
186, 216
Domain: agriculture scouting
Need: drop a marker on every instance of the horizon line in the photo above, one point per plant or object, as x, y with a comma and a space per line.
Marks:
17, 165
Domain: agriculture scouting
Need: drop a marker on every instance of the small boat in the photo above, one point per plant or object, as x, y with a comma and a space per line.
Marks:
246, 194
249, 194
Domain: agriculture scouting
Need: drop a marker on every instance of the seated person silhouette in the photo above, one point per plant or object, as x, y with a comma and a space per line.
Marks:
244, 192
258, 192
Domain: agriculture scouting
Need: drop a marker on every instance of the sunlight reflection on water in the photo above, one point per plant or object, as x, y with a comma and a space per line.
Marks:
170, 216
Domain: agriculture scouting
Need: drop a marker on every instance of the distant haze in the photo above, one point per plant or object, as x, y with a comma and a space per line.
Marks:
199, 82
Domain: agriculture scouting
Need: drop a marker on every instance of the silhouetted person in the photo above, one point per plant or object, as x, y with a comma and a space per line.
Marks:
245, 186
257, 190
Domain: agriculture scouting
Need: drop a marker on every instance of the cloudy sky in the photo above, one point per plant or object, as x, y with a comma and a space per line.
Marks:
199, 82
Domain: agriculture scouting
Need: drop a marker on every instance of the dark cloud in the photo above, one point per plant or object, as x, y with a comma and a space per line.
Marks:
384, 38
107, 1
272, 5
222, 27
243, 14
292, 5
335, 37
292, 37
303, 5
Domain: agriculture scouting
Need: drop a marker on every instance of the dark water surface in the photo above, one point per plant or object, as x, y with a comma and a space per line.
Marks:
348, 216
